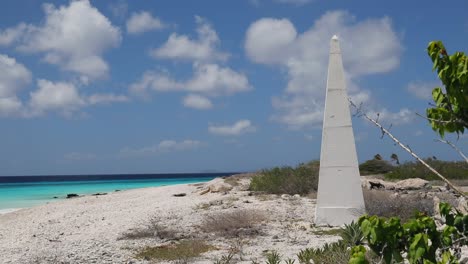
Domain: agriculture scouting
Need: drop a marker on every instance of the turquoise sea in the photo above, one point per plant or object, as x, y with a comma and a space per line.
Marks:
23, 192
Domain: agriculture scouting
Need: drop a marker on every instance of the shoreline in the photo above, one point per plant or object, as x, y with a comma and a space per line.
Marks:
28, 201
9, 210
89, 229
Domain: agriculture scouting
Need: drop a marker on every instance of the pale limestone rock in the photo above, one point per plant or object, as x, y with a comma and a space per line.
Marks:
412, 184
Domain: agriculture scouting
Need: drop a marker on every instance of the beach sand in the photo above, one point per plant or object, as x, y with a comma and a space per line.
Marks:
89, 229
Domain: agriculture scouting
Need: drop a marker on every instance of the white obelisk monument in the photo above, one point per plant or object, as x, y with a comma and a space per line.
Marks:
339, 199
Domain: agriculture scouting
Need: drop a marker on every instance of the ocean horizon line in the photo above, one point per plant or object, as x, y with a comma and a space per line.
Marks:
109, 176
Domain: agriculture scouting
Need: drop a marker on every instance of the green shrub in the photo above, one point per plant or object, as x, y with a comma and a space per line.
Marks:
336, 253
287, 180
450, 169
375, 166
416, 241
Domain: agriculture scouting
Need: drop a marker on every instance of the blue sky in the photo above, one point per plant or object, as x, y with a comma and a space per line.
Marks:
197, 86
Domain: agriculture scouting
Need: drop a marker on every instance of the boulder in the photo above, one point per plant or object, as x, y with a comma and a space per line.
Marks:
217, 185
412, 184
72, 195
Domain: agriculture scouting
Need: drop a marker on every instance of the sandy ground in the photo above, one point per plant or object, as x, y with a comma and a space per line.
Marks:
88, 229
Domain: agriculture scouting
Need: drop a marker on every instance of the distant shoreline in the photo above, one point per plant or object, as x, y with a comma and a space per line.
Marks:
97, 177
30, 194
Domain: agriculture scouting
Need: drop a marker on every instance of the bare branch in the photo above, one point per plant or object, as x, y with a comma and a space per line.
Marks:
454, 147
407, 149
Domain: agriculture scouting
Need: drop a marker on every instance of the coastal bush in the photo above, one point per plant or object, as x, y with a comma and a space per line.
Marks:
235, 223
418, 240
450, 169
375, 166
387, 204
302, 179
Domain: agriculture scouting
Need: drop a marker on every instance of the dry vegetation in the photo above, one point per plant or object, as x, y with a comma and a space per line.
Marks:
388, 204
241, 222
151, 229
181, 252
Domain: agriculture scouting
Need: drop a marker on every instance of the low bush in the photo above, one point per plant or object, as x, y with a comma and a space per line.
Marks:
450, 169
386, 204
302, 179
418, 240
375, 166
150, 229
235, 223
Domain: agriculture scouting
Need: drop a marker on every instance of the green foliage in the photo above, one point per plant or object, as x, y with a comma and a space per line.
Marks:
450, 113
287, 180
450, 169
273, 257
352, 234
375, 166
419, 238
330, 253
358, 255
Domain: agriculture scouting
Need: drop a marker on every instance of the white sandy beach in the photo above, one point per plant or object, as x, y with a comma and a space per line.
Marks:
87, 229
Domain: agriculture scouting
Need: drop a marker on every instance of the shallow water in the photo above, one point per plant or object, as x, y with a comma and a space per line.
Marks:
28, 194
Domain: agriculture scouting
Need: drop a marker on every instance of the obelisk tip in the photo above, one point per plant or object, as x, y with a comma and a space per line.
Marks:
335, 37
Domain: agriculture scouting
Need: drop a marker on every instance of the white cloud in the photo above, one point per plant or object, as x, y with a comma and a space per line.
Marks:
404, 116
64, 98
161, 147
197, 102
13, 34
208, 79
13, 76
182, 47
10, 106
73, 37
423, 90
106, 98
59, 96
368, 47
238, 128
142, 22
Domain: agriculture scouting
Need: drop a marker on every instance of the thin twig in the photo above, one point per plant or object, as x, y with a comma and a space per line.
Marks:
454, 147
391, 136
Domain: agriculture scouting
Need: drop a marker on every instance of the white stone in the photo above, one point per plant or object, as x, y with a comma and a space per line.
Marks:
339, 198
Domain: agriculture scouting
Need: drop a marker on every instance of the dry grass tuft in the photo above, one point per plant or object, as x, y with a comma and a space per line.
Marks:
235, 223
386, 204
151, 229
